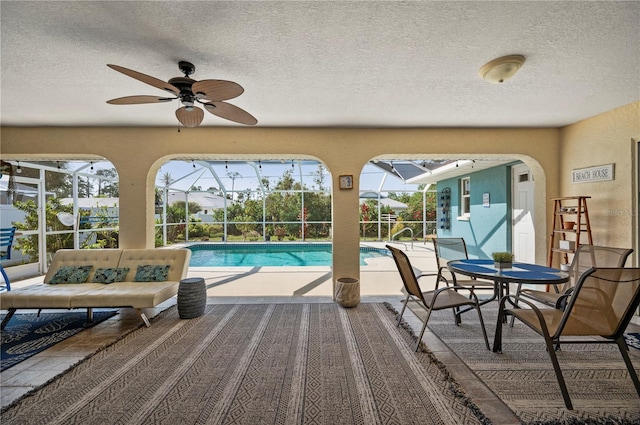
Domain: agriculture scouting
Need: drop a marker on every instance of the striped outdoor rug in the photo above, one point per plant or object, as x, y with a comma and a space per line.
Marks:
523, 377
256, 364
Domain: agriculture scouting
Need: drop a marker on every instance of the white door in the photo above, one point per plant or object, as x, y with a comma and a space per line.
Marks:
524, 245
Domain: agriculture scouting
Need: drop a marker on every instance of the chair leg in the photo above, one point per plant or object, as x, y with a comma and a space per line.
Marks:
424, 327
515, 303
622, 345
457, 319
406, 301
556, 369
484, 330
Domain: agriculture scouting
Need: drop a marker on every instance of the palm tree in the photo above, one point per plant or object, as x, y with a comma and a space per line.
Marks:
167, 179
233, 175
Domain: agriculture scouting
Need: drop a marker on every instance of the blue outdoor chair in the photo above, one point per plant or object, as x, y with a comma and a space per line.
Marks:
6, 241
6, 286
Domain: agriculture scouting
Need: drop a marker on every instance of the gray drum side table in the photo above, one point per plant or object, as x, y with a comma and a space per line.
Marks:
192, 298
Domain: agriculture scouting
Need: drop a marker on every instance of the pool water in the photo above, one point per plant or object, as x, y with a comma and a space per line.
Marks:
257, 255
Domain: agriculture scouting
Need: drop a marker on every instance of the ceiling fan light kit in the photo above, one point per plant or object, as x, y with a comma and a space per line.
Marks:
501, 69
190, 117
211, 94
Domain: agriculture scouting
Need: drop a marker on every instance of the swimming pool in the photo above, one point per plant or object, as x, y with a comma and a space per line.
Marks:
270, 254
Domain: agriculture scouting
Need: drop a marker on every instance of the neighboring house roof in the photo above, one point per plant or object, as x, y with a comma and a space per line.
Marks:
206, 200
393, 204
384, 201
88, 203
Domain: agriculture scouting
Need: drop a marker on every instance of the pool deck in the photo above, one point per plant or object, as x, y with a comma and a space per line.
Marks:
379, 278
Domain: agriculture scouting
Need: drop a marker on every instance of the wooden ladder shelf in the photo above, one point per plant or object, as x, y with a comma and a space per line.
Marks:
565, 237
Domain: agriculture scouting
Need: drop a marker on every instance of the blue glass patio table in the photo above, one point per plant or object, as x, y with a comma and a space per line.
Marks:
519, 273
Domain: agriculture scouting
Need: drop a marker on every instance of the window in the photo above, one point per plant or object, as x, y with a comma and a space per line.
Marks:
465, 197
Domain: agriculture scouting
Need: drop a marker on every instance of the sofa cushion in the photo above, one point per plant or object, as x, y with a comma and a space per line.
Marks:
110, 275
177, 259
79, 257
151, 273
71, 274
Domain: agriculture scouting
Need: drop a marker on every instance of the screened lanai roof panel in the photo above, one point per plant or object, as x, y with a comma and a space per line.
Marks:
403, 170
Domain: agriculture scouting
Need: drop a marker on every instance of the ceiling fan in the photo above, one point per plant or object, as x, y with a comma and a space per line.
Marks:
209, 93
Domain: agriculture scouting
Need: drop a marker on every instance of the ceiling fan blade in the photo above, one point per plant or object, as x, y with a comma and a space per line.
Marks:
191, 118
230, 112
216, 89
155, 82
134, 100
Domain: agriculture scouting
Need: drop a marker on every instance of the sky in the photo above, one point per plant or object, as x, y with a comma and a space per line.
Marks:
185, 174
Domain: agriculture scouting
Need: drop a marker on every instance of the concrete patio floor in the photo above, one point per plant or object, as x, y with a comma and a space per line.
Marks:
379, 282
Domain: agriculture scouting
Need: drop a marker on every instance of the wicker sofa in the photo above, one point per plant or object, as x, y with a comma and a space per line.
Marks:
125, 293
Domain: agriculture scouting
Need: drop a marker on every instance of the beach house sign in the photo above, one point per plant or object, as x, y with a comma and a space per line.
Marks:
593, 174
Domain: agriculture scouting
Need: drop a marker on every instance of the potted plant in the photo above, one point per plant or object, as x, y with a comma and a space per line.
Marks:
502, 260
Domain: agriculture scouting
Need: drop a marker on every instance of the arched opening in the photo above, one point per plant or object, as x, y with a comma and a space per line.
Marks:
57, 204
239, 200
496, 202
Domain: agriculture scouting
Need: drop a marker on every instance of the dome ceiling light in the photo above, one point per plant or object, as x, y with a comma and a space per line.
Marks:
500, 70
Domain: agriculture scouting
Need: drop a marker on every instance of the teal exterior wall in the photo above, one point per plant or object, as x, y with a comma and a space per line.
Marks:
488, 228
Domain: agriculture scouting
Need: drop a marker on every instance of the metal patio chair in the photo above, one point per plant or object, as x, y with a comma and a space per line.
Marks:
449, 249
439, 299
586, 257
602, 304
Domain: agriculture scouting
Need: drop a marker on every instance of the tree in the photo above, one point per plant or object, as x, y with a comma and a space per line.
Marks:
167, 179
176, 215
319, 176
84, 187
318, 207
244, 227
107, 188
233, 175
415, 211
60, 184
285, 204
364, 216
29, 244
106, 238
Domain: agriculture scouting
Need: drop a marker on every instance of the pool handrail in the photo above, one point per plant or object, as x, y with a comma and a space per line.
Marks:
400, 231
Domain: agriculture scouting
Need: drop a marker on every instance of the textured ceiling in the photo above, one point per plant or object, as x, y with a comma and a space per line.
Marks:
338, 64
